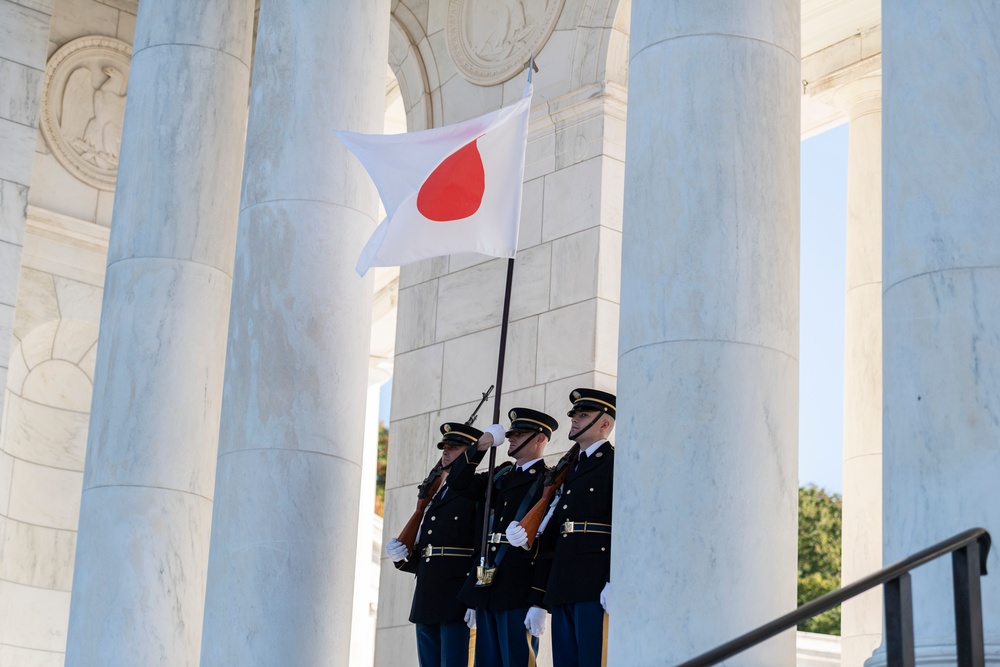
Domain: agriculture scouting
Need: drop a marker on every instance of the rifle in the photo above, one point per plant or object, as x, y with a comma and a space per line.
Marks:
475, 413
427, 489
553, 480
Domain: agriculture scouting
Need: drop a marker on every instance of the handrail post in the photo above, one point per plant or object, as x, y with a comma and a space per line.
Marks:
965, 565
898, 596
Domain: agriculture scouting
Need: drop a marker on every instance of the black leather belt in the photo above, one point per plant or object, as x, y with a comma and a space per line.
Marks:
585, 527
431, 550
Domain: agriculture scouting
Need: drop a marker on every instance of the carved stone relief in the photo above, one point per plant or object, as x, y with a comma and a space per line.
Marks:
491, 40
83, 107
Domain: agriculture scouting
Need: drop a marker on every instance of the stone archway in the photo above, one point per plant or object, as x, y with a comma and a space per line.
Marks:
601, 50
406, 59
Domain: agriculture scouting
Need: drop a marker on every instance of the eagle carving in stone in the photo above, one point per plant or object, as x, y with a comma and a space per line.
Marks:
92, 116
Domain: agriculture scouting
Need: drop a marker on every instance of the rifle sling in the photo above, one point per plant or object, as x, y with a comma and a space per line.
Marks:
526, 504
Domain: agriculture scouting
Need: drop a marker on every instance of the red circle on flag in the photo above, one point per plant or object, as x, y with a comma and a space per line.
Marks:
454, 190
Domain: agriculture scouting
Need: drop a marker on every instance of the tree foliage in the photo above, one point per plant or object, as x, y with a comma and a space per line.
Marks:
383, 456
820, 527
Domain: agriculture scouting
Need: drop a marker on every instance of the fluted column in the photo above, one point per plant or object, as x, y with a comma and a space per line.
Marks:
142, 551
941, 287
290, 451
706, 475
861, 617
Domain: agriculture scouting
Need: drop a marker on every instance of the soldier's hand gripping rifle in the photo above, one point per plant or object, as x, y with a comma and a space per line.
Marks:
430, 486
553, 480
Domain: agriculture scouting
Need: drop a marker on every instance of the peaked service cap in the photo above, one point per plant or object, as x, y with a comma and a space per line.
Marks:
455, 433
584, 399
533, 421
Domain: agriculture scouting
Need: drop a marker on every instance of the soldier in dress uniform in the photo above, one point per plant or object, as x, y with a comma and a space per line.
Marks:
507, 590
576, 534
444, 554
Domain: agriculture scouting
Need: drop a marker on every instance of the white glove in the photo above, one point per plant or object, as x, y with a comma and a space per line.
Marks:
498, 432
470, 618
606, 596
517, 535
535, 621
396, 550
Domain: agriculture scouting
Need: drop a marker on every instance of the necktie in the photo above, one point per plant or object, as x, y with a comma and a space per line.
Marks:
580, 459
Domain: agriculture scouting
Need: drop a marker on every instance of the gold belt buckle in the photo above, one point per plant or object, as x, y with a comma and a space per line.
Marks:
428, 551
495, 538
568, 527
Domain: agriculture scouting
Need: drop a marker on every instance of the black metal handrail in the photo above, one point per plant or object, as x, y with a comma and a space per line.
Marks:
967, 567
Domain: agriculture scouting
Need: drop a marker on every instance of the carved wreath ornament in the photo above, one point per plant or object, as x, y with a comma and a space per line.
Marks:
491, 40
83, 107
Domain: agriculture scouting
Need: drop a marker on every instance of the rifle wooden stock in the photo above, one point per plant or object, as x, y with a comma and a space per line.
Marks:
425, 492
553, 480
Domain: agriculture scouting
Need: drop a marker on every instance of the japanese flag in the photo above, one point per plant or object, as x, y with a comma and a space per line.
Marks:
446, 190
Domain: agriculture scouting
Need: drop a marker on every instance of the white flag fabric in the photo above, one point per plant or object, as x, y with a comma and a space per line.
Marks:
446, 190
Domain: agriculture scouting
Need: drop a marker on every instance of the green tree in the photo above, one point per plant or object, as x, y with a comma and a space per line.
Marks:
383, 457
820, 520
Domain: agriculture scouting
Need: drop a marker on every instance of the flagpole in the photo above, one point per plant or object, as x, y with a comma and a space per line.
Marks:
496, 411
496, 397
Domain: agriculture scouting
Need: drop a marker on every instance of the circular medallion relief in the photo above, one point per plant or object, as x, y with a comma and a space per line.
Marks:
491, 40
83, 106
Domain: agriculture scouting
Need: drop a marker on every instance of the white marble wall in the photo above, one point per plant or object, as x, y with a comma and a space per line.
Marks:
941, 287
42, 445
708, 347
564, 305
861, 618
24, 26
146, 505
285, 526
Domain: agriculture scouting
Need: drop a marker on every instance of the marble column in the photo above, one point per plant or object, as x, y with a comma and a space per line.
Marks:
366, 567
290, 451
861, 618
706, 473
24, 32
941, 287
142, 551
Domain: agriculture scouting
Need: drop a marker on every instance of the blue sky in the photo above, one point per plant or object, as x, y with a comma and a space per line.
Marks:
822, 286
821, 342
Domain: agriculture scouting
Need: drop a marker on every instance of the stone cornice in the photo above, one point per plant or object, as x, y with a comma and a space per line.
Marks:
56, 226
825, 71
588, 101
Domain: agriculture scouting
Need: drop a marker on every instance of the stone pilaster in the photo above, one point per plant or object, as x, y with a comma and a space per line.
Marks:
142, 551
24, 31
861, 620
706, 478
24, 636
941, 287
290, 451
